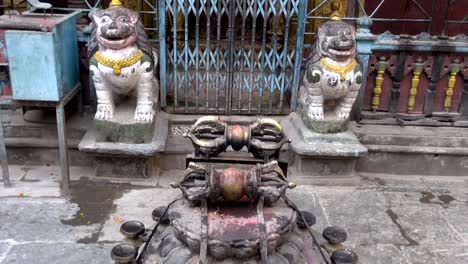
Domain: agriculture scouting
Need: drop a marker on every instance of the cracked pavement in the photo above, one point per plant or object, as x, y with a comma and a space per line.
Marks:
388, 220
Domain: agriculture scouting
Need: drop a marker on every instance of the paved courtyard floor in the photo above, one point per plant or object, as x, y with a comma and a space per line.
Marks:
402, 220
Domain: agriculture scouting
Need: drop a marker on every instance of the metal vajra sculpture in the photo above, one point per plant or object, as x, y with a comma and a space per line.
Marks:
236, 214
333, 77
204, 182
211, 136
122, 62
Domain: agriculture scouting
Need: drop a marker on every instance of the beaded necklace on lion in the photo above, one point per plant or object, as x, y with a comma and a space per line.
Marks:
341, 70
118, 64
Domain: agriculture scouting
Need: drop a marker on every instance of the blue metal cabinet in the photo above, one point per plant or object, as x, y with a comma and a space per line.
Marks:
42, 53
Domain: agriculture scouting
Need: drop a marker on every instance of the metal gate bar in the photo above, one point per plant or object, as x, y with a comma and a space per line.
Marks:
246, 71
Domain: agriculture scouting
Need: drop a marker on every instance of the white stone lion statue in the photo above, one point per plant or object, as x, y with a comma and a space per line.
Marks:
122, 63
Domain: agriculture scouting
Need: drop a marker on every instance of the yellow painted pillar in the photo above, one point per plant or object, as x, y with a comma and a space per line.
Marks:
452, 80
418, 67
382, 67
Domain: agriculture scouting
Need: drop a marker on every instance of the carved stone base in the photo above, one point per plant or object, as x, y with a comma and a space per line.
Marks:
329, 124
322, 159
126, 160
122, 127
233, 237
125, 167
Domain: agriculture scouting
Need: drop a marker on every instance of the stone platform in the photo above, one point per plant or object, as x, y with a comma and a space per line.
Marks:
126, 160
322, 159
393, 150
122, 128
233, 236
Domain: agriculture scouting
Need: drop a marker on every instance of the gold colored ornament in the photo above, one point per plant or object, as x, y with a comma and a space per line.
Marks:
335, 7
452, 80
378, 83
418, 68
117, 65
115, 3
341, 70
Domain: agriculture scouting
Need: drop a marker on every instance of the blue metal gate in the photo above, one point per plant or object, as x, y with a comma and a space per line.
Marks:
230, 56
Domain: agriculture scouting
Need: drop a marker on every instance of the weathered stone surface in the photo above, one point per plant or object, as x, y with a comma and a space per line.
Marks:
379, 254
309, 143
362, 211
422, 225
4, 249
436, 254
322, 159
122, 127
307, 200
31, 219
369, 224
328, 125
166, 248
323, 171
59, 253
135, 205
124, 167
90, 144
232, 228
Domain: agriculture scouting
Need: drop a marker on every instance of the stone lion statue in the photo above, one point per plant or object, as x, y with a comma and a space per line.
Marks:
122, 63
332, 78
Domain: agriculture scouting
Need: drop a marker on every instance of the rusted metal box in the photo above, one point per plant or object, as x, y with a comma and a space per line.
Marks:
41, 54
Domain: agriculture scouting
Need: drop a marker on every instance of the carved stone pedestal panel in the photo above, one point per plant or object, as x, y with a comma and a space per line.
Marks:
123, 128
123, 159
322, 159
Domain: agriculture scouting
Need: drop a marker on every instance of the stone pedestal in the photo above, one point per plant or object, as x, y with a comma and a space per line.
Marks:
233, 236
126, 149
122, 127
322, 159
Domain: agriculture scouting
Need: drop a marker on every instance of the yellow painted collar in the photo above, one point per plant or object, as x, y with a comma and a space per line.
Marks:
118, 64
341, 70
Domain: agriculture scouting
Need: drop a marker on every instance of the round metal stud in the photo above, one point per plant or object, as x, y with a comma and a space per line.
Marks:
334, 234
344, 256
292, 185
309, 219
124, 253
132, 229
157, 214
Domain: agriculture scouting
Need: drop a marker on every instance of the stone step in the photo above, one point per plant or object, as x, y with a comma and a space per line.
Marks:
395, 150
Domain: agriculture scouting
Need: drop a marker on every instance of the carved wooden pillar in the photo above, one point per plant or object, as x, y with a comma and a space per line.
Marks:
417, 70
464, 73
435, 77
452, 79
382, 67
398, 73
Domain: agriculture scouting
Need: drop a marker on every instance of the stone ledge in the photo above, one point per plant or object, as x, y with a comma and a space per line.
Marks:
88, 143
309, 143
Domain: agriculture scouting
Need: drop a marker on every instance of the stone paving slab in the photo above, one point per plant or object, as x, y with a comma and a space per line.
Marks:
135, 205
380, 254
388, 221
34, 219
19, 190
437, 254
366, 223
4, 249
59, 253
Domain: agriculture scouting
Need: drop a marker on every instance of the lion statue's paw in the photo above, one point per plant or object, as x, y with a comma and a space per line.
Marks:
315, 112
144, 114
342, 113
104, 112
